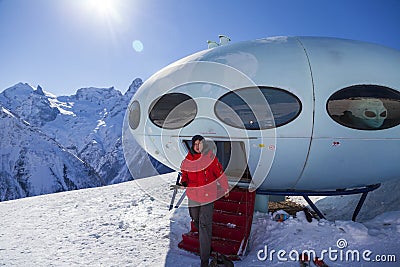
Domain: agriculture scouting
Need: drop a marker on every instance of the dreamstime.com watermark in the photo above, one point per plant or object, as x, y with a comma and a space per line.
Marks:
340, 253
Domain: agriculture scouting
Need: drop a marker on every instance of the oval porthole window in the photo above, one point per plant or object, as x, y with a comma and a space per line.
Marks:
173, 111
365, 107
134, 115
257, 108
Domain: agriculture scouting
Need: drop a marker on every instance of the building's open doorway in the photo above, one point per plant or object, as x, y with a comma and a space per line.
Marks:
232, 155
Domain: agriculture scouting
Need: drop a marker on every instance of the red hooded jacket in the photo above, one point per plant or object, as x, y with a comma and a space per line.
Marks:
204, 177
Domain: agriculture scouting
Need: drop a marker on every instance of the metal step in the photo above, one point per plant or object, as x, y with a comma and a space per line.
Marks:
232, 219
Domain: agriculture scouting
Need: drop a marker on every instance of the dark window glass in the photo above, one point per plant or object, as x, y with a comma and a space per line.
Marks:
134, 115
365, 107
257, 108
173, 111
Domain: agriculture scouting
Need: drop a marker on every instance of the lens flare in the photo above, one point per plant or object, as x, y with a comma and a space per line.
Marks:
137, 45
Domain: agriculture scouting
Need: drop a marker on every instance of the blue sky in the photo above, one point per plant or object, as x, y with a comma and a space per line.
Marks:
64, 45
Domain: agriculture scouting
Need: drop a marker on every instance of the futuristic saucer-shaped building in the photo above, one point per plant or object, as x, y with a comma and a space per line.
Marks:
284, 113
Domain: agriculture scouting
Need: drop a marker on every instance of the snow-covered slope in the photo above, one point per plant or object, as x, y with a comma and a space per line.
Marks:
386, 198
125, 225
87, 124
34, 164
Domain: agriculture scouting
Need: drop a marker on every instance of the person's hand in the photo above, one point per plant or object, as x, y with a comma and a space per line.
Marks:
176, 186
226, 194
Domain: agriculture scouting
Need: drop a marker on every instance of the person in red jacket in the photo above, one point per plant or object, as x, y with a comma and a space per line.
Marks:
206, 181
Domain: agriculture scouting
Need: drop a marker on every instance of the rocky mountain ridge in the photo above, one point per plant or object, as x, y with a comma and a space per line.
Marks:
45, 137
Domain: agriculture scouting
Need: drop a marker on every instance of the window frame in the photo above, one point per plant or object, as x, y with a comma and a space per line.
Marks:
384, 92
156, 101
261, 88
135, 123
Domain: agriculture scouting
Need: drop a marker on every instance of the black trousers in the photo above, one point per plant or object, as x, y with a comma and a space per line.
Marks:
202, 218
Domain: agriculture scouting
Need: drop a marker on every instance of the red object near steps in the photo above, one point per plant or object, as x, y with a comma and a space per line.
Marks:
232, 221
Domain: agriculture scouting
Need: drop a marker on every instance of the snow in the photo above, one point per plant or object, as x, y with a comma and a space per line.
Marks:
3, 110
129, 224
32, 163
61, 106
87, 125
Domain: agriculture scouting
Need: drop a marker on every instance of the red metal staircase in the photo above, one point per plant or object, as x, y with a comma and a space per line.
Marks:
232, 221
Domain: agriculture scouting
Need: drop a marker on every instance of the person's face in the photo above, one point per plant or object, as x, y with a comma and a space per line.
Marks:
198, 146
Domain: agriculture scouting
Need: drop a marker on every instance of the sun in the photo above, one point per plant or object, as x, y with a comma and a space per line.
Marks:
103, 8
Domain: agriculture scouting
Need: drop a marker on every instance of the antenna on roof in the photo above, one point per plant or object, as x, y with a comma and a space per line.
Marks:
212, 44
223, 40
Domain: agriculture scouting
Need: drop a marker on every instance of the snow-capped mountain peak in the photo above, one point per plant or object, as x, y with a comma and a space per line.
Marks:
87, 124
97, 95
34, 164
39, 90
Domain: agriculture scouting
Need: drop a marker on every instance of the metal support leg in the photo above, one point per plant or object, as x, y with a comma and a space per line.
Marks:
359, 205
364, 191
312, 205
